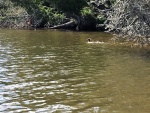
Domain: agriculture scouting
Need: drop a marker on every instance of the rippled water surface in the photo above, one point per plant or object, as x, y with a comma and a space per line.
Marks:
46, 71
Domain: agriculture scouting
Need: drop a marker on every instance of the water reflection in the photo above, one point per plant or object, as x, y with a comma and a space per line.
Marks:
55, 71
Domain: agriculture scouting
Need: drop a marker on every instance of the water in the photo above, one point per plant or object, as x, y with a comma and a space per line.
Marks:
46, 71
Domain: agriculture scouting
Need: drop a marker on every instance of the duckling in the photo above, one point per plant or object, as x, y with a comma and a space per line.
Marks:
89, 40
94, 42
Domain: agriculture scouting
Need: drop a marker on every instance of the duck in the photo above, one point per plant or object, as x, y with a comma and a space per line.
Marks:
94, 42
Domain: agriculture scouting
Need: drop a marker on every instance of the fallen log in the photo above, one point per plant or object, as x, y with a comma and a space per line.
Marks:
71, 24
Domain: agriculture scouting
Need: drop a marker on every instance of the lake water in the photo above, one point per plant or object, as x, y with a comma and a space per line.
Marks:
48, 71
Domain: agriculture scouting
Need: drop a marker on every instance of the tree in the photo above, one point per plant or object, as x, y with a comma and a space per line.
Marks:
67, 6
131, 20
43, 12
11, 16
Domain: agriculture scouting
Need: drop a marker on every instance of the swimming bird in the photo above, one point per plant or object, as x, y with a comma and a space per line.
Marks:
94, 42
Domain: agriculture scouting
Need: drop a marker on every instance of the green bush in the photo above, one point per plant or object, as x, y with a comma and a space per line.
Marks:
86, 11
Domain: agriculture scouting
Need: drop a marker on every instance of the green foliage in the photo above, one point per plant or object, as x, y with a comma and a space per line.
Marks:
51, 11
86, 11
10, 15
4, 6
101, 18
56, 18
68, 6
112, 1
51, 16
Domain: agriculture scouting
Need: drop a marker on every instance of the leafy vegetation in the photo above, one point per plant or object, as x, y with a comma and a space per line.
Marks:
10, 15
53, 12
50, 12
86, 11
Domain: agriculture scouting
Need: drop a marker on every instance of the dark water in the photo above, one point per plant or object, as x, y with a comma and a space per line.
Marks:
47, 71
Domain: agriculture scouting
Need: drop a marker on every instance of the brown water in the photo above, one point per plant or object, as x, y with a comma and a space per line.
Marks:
48, 71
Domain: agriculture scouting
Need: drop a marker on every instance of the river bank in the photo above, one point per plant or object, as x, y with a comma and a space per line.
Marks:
89, 16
